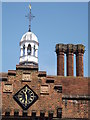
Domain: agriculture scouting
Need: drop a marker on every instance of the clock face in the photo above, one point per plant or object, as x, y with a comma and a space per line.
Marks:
25, 97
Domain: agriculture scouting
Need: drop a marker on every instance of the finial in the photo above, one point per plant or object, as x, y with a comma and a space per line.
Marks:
30, 17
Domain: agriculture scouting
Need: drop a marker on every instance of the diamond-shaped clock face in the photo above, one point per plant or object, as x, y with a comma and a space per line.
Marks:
25, 97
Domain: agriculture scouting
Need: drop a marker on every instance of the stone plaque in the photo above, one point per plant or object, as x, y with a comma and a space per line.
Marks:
44, 89
8, 88
26, 77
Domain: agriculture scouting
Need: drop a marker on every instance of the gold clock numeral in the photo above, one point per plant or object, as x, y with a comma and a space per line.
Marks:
29, 91
19, 96
31, 99
22, 101
23, 91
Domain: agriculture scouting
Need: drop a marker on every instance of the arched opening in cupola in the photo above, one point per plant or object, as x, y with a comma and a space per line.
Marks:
23, 50
34, 51
29, 49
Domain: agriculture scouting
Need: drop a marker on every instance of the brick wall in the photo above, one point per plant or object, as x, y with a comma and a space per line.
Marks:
50, 100
75, 109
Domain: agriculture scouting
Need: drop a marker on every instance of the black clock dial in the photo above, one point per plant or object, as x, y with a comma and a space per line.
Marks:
25, 97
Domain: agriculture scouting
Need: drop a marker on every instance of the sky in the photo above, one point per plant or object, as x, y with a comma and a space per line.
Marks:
58, 22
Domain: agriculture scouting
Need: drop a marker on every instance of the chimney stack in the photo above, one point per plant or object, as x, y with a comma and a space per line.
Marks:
60, 49
69, 55
79, 60
70, 50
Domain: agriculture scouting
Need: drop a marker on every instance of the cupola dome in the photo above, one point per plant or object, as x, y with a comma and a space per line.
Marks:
29, 36
29, 49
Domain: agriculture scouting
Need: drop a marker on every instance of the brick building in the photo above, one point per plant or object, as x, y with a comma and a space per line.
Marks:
28, 93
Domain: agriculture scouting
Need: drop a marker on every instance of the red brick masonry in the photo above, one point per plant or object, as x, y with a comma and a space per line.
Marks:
69, 93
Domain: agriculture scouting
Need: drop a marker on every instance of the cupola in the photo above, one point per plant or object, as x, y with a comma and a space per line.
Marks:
29, 46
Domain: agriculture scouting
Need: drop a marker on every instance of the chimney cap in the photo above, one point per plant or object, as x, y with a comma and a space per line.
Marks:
80, 48
60, 48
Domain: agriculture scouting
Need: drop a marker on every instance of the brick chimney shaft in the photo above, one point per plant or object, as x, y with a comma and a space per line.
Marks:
60, 49
70, 50
69, 55
79, 60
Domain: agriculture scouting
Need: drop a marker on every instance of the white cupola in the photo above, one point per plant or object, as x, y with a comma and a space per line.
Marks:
29, 45
29, 49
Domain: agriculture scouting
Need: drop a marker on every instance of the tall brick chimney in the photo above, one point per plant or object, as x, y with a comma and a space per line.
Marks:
69, 55
79, 60
70, 50
60, 49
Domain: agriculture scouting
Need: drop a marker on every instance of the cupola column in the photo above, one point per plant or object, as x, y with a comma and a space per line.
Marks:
21, 51
69, 55
79, 60
32, 49
36, 53
26, 49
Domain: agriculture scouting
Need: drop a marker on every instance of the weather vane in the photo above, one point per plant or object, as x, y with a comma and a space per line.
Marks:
30, 17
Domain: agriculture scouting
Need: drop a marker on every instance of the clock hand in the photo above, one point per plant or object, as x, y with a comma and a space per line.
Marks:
26, 99
24, 92
26, 89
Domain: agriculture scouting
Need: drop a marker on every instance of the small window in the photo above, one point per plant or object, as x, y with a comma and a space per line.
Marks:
23, 50
34, 51
29, 49
59, 112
